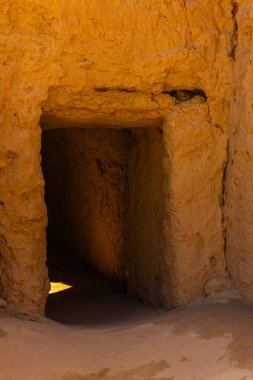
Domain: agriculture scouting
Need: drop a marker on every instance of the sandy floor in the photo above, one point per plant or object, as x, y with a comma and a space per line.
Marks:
99, 333
208, 341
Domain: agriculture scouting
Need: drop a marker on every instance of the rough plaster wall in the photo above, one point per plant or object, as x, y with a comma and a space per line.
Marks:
145, 267
86, 184
194, 225
239, 174
121, 58
24, 81
92, 63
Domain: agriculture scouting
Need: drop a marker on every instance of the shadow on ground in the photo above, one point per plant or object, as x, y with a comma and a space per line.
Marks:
93, 299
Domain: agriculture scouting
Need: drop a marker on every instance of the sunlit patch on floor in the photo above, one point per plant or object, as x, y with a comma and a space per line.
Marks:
58, 287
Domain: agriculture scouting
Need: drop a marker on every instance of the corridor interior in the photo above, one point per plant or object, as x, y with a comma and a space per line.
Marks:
101, 191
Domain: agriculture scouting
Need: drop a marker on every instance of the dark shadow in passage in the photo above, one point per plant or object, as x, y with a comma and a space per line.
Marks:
93, 300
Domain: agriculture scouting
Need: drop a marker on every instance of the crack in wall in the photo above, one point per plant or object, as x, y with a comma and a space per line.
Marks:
180, 95
223, 201
234, 38
184, 95
120, 89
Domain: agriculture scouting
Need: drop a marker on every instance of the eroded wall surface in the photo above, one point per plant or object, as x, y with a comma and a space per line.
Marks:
24, 79
239, 173
146, 272
194, 222
89, 63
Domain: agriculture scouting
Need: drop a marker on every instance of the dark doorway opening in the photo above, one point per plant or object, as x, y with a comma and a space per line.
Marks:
103, 195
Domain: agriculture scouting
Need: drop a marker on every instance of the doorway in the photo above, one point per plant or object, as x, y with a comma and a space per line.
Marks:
104, 196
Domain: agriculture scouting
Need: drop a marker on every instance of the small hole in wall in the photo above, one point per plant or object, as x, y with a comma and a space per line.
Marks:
184, 95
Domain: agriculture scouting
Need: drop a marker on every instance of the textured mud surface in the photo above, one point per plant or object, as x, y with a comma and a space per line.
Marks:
97, 332
89, 64
205, 342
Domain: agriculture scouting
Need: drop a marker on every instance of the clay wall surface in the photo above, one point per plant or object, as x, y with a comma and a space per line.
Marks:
88, 64
147, 274
194, 222
239, 174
